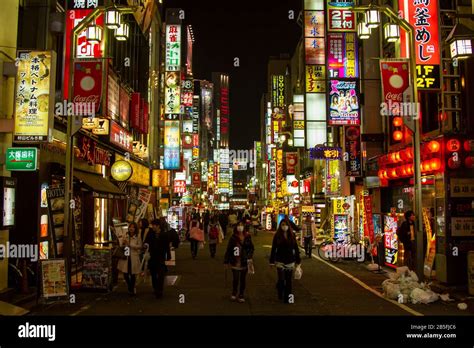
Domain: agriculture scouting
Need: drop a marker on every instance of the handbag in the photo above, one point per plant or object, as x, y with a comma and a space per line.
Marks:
120, 253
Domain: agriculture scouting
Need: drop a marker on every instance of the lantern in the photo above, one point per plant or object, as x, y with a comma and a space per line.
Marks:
393, 157
363, 31
121, 34
469, 145
435, 164
409, 152
397, 121
453, 145
453, 164
392, 32
469, 162
433, 146
112, 19
372, 18
94, 33
397, 135
393, 173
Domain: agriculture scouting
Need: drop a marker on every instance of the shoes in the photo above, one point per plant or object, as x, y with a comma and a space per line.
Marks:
241, 300
233, 298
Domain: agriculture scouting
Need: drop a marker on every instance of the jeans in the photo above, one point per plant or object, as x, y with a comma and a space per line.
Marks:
239, 276
285, 277
213, 249
194, 247
308, 245
158, 279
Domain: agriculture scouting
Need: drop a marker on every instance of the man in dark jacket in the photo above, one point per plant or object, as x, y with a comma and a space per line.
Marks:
406, 235
159, 248
223, 221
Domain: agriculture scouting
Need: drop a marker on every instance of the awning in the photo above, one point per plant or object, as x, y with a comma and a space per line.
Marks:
101, 187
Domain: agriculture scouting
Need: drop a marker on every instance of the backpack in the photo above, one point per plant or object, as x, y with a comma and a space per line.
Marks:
214, 232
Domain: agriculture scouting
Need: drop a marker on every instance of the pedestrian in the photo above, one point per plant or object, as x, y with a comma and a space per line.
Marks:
215, 235
232, 219
406, 235
130, 266
309, 234
255, 222
224, 221
196, 235
159, 247
173, 236
238, 256
285, 255
206, 219
144, 228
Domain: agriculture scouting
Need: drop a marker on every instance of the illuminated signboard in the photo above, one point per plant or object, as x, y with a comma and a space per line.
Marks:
272, 172
298, 121
172, 93
223, 177
315, 79
314, 23
279, 171
333, 178
187, 92
424, 17
173, 47
325, 152
224, 116
352, 143
343, 55
120, 137
172, 159
340, 17
179, 186
315, 49
344, 103
314, 37
34, 102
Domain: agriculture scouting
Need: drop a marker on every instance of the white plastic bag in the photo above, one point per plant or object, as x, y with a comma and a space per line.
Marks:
251, 267
402, 270
298, 272
392, 291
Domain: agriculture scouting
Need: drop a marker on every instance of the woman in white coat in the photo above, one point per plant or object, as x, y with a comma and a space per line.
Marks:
131, 265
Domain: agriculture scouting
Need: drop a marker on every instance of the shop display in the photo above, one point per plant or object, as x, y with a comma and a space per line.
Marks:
391, 240
56, 203
340, 227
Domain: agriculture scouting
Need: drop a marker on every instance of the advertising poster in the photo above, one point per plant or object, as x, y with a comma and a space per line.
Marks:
390, 240
34, 98
353, 148
172, 157
97, 268
340, 227
424, 17
172, 93
340, 17
87, 87
56, 203
343, 55
144, 195
395, 81
173, 48
53, 278
344, 103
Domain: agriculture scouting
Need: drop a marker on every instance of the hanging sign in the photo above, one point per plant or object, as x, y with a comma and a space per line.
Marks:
353, 148
121, 170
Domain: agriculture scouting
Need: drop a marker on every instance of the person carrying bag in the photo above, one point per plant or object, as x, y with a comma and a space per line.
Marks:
196, 235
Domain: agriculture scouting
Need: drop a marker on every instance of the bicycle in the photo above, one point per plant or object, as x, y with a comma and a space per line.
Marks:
335, 249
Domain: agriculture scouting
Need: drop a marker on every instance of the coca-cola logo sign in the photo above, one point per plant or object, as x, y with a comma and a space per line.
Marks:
88, 85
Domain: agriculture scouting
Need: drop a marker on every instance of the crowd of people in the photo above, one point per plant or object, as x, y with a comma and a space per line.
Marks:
149, 247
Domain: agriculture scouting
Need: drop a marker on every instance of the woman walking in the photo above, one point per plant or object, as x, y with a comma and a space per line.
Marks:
238, 255
130, 266
214, 231
285, 255
196, 235
144, 229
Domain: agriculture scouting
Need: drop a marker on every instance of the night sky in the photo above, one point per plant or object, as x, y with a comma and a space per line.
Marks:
251, 30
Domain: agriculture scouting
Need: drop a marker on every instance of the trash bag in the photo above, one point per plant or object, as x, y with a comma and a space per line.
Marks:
392, 291
414, 276
403, 270
423, 296
298, 272
394, 276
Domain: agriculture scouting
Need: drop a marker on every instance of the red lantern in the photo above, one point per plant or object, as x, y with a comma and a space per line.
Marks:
454, 164
397, 135
393, 158
409, 153
380, 175
410, 169
435, 164
442, 116
469, 145
433, 146
393, 173
453, 145
404, 170
469, 162
397, 121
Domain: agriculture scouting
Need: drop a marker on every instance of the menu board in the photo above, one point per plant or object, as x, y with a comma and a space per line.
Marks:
53, 278
340, 227
55, 197
391, 241
97, 268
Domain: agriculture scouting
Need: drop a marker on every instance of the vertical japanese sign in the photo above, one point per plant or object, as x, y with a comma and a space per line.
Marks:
291, 162
314, 37
187, 92
423, 15
315, 79
84, 47
113, 96
224, 113
124, 107
344, 102
340, 17
87, 87
135, 111
280, 178
391, 240
173, 47
34, 100
272, 173
333, 178
172, 93
343, 55
172, 159
352, 142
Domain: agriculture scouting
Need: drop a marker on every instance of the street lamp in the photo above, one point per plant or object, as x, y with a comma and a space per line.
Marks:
460, 42
372, 18
363, 31
392, 32
94, 33
121, 34
112, 19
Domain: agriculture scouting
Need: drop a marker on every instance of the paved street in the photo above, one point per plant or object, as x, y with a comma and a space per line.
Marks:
321, 291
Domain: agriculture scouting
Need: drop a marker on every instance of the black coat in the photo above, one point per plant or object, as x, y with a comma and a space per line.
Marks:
159, 248
404, 235
285, 251
173, 237
246, 250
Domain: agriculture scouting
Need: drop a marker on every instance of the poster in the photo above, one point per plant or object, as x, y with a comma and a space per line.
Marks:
144, 195
395, 81
172, 158
340, 227
87, 87
97, 268
431, 243
53, 278
55, 196
344, 103
34, 98
390, 240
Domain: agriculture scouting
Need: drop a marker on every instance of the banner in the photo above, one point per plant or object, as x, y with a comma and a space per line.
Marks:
124, 107
87, 87
135, 111
34, 102
120, 137
368, 221
197, 179
272, 172
352, 142
173, 48
395, 82
172, 93
144, 195
344, 103
172, 158
343, 55
291, 162
113, 95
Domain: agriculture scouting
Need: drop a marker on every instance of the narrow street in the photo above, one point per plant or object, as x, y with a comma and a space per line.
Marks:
321, 291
